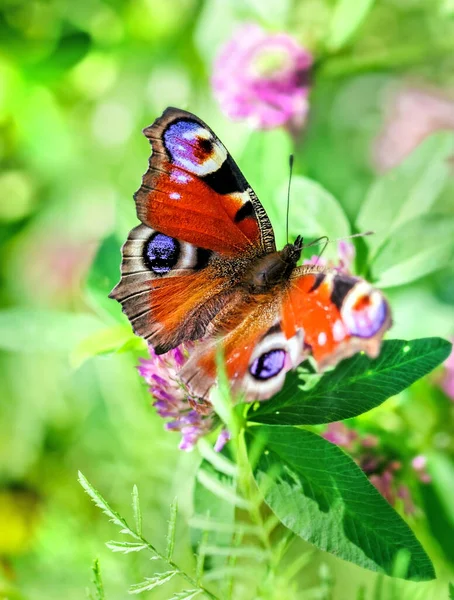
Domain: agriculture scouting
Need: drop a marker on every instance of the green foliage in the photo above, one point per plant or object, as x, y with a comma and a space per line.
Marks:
214, 505
231, 536
314, 211
419, 247
355, 386
116, 338
150, 583
320, 494
162, 577
39, 330
346, 19
103, 276
171, 530
136, 509
406, 192
97, 581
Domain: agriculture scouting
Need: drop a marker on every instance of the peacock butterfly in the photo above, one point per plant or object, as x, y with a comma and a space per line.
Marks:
203, 265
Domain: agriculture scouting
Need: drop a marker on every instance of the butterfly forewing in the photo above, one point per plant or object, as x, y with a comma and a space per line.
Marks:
195, 192
202, 224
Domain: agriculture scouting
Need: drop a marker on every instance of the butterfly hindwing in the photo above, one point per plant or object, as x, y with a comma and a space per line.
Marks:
320, 313
195, 192
168, 289
339, 314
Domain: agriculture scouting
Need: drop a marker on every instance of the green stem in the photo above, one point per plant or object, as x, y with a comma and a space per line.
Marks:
248, 489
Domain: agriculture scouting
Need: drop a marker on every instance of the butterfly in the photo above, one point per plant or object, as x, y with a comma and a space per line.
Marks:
203, 265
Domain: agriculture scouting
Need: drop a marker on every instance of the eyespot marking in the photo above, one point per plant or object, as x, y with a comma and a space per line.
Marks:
203, 258
193, 147
161, 253
364, 311
268, 364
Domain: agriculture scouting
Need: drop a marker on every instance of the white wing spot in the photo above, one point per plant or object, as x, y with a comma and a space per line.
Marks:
322, 338
175, 196
338, 331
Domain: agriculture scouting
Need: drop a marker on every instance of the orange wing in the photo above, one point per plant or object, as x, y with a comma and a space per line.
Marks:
339, 314
168, 289
320, 313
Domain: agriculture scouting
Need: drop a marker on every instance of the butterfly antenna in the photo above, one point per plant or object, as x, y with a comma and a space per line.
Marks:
324, 239
290, 164
355, 235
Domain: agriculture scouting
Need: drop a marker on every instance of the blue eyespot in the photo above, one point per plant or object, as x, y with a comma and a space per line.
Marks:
161, 253
365, 314
180, 140
268, 365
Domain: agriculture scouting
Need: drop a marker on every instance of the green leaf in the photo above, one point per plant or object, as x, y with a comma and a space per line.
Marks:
136, 510
264, 163
441, 470
273, 12
104, 341
36, 330
207, 524
236, 572
320, 494
313, 211
451, 591
439, 521
209, 505
97, 580
171, 529
348, 16
150, 583
71, 49
355, 386
243, 551
407, 191
221, 463
419, 247
126, 547
186, 595
221, 399
103, 276
221, 487
99, 501
361, 593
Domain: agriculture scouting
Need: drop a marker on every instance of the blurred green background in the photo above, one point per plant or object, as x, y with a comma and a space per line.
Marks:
78, 82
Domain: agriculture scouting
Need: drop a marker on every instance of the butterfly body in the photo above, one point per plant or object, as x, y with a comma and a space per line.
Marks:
273, 269
203, 265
